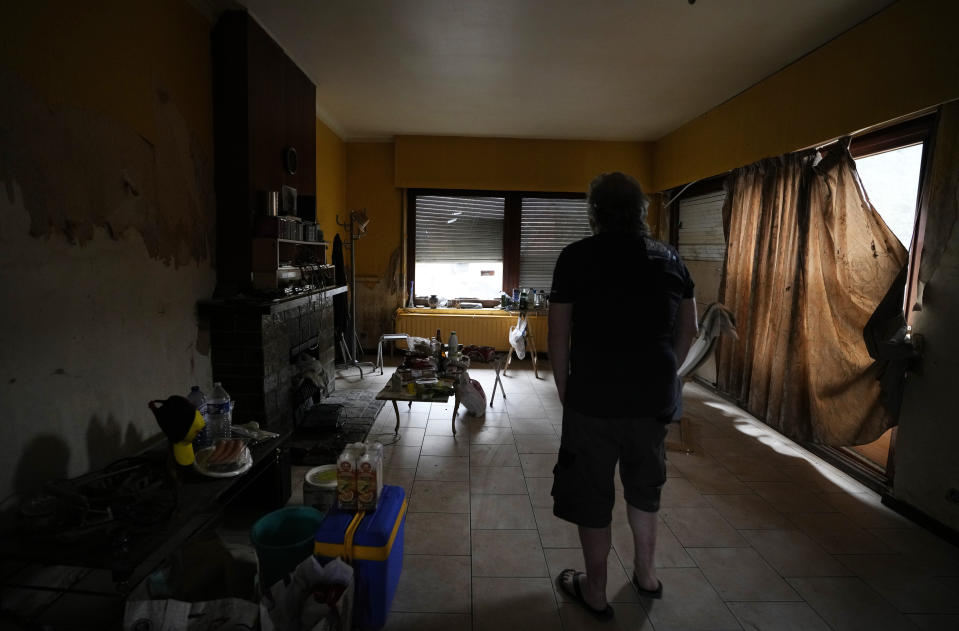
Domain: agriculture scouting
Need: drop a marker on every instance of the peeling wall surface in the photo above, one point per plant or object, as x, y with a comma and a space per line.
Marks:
105, 248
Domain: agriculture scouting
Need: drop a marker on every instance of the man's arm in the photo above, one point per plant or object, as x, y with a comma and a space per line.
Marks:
686, 328
560, 325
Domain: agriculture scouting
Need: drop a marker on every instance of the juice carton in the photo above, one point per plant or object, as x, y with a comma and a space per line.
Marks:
369, 478
346, 478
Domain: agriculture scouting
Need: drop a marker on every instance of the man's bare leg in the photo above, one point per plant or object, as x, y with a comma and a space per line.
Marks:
643, 525
596, 543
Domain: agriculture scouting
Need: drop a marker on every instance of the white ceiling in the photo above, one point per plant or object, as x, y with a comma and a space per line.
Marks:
565, 69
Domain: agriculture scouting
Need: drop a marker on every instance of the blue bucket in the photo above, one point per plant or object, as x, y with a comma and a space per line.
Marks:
282, 540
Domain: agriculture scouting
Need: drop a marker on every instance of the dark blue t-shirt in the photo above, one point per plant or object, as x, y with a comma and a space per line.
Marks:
625, 290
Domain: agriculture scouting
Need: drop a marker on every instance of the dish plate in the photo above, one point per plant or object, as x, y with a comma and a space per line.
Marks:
243, 464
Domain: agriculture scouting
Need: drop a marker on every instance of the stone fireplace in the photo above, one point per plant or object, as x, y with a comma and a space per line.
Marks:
259, 350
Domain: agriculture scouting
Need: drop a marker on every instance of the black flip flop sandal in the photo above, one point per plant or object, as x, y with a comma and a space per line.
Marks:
648, 593
576, 594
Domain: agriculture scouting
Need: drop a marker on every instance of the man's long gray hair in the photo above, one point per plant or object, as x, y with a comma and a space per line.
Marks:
617, 203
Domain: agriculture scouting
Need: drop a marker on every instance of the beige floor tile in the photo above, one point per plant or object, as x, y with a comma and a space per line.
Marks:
537, 444
501, 512
619, 589
778, 616
440, 497
790, 497
689, 603
492, 418
516, 386
387, 416
669, 552
540, 492
867, 511
906, 585
711, 477
923, 548
400, 457
446, 445
437, 533
837, 534
629, 617
494, 456
507, 553
492, 436
408, 437
525, 408
398, 621
443, 427
555, 532
848, 603
443, 468
741, 574
538, 465
437, 584
505, 480
821, 477
748, 511
679, 492
500, 604
701, 528
672, 471
531, 427
400, 477
444, 411
793, 553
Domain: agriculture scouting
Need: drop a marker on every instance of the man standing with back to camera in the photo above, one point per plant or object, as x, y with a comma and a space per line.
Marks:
621, 320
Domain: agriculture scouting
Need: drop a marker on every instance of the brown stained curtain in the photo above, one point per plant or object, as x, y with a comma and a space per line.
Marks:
807, 262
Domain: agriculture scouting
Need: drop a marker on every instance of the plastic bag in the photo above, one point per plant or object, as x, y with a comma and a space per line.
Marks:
517, 337
472, 396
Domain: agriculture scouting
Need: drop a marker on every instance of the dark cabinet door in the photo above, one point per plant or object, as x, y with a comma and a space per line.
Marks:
267, 124
300, 105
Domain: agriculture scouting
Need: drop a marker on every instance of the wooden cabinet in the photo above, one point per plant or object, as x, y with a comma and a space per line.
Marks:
263, 105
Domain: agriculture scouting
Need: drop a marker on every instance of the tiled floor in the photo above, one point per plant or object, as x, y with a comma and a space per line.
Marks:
754, 533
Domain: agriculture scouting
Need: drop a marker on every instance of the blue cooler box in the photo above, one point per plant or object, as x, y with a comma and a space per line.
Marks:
373, 544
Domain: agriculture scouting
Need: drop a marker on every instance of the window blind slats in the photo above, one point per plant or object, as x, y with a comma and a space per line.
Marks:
701, 228
546, 227
459, 229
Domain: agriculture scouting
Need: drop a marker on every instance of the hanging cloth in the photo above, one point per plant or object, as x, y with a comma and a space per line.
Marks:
808, 260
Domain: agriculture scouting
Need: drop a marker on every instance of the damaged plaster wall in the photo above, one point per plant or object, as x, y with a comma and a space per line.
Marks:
105, 247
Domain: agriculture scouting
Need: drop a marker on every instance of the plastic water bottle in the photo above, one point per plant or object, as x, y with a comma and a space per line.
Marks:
219, 416
198, 399
454, 348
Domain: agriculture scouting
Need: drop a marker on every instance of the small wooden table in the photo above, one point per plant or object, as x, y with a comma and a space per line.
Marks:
388, 394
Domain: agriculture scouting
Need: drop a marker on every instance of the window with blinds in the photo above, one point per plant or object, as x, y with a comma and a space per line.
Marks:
547, 226
459, 246
455, 229
701, 228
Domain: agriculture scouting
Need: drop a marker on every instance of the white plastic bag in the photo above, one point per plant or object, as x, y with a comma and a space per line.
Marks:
517, 337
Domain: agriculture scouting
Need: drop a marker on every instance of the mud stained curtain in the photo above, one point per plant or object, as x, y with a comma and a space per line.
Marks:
807, 262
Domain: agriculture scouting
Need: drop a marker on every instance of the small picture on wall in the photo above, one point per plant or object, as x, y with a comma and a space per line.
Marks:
288, 193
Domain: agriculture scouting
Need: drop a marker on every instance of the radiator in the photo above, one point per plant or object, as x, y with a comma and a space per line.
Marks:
480, 327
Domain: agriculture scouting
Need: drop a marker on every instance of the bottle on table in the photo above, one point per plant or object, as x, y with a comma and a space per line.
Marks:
219, 413
198, 399
454, 346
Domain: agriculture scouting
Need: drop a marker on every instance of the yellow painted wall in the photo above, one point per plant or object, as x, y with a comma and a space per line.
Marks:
133, 46
515, 164
901, 61
369, 185
330, 179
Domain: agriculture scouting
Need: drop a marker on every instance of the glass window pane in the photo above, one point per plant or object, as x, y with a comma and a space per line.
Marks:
891, 180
